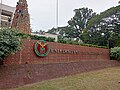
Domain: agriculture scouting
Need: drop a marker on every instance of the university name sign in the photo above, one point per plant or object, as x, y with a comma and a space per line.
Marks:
74, 52
42, 49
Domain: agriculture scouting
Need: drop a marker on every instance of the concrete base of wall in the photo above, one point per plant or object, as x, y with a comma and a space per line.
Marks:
18, 75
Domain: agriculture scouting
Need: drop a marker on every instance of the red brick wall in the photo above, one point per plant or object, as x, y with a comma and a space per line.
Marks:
19, 75
27, 54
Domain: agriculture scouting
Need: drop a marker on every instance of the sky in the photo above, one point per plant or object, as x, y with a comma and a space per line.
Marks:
43, 12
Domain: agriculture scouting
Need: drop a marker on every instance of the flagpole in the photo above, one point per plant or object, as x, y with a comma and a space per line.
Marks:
57, 15
1, 14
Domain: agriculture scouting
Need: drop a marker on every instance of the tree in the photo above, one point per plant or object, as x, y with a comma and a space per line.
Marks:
52, 31
80, 19
85, 36
114, 39
99, 17
92, 28
117, 28
103, 25
76, 25
9, 42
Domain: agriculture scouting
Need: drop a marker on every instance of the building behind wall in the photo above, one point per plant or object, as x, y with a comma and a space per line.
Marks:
6, 15
44, 34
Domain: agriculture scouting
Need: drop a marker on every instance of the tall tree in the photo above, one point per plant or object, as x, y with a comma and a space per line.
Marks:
76, 25
80, 19
103, 24
99, 17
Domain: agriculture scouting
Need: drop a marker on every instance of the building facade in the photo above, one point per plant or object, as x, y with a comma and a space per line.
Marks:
44, 34
6, 15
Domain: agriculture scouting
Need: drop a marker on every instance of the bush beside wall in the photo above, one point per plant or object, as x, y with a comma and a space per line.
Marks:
9, 42
115, 53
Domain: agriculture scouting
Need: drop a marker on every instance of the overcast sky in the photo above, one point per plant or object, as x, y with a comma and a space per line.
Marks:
43, 12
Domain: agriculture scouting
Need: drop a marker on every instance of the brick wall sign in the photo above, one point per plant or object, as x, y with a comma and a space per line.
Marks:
41, 52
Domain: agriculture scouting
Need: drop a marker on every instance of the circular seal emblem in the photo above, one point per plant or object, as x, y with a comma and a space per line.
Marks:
41, 48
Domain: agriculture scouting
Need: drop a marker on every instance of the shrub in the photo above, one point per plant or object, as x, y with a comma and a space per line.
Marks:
9, 42
115, 53
62, 41
50, 39
91, 45
35, 37
23, 36
79, 43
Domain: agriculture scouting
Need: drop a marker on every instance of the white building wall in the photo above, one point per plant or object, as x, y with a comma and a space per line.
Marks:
8, 10
47, 35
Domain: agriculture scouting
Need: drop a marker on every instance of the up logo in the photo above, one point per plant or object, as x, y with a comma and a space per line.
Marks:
41, 48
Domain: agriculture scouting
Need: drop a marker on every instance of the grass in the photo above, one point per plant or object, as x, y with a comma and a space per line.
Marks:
106, 79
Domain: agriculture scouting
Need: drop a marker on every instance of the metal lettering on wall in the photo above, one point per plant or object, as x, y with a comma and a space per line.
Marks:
74, 52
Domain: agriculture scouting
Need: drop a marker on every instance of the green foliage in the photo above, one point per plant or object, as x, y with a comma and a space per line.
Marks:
50, 39
115, 53
103, 29
62, 41
98, 18
85, 36
117, 27
81, 44
69, 42
91, 45
75, 25
23, 36
9, 42
79, 21
52, 31
35, 37
87, 26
